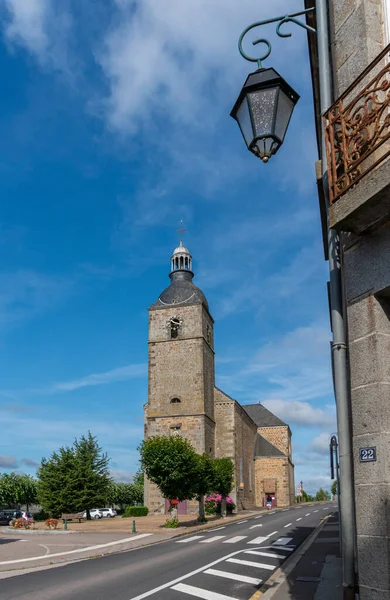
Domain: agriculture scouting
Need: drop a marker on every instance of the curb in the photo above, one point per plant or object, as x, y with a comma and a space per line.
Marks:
270, 587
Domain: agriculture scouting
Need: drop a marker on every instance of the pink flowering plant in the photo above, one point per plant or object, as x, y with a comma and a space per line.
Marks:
23, 523
213, 504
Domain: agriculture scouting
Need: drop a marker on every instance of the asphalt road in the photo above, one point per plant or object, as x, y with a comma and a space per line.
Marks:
229, 562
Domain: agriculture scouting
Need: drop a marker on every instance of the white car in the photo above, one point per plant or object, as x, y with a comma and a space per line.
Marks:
108, 512
94, 512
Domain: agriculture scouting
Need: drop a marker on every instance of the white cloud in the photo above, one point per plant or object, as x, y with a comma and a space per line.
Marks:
320, 444
300, 413
122, 476
8, 462
113, 376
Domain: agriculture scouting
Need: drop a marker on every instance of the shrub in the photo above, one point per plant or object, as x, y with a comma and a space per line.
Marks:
172, 523
22, 523
42, 515
213, 504
136, 511
51, 523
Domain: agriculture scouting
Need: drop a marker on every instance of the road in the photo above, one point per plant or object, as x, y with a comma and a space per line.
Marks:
229, 562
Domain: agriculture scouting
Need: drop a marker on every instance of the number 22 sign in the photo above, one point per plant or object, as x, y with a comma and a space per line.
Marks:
367, 454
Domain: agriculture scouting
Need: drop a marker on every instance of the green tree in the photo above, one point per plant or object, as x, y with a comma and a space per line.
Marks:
75, 478
204, 481
17, 489
172, 464
223, 473
322, 495
333, 489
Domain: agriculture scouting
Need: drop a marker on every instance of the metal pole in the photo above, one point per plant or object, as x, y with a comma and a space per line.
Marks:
339, 345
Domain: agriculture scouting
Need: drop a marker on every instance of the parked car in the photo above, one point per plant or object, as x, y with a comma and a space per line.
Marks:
94, 512
7, 516
108, 512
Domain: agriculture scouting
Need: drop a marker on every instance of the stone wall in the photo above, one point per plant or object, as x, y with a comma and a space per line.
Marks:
278, 437
273, 468
358, 37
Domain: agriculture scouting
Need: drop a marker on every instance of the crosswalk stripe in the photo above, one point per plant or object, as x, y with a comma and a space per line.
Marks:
235, 539
258, 540
250, 563
234, 576
190, 539
212, 539
269, 554
199, 593
282, 541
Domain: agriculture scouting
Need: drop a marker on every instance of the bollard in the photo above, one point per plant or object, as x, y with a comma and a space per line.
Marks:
65, 524
134, 528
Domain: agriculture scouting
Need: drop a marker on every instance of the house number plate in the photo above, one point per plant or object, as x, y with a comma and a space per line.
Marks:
367, 454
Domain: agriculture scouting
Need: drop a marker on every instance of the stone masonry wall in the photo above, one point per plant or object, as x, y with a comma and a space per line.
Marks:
278, 436
273, 468
245, 435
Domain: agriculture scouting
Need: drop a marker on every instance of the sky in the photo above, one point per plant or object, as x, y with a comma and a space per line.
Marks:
114, 126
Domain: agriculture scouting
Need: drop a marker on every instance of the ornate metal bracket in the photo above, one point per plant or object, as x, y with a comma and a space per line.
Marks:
281, 21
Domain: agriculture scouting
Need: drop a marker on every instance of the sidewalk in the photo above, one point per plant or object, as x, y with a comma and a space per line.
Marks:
317, 574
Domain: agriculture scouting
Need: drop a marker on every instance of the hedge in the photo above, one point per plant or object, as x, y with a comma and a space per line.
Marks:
136, 511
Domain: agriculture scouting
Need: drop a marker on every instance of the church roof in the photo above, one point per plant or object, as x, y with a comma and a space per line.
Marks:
181, 292
262, 416
264, 448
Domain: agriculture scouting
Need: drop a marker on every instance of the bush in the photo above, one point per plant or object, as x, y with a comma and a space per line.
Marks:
172, 523
23, 523
212, 504
42, 515
136, 511
51, 523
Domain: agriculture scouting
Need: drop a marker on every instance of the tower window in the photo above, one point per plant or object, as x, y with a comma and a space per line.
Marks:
175, 401
173, 325
175, 430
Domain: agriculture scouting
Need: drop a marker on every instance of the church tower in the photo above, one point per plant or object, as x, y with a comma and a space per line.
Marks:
181, 365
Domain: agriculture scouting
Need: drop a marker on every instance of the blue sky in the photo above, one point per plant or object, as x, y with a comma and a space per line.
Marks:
114, 125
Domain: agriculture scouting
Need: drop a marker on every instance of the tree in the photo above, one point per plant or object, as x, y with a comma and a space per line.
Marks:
204, 481
17, 489
333, 489
322, 495
223, 472
172, 464
74, 479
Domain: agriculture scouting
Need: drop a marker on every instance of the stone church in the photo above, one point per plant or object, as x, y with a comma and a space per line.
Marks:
183, 400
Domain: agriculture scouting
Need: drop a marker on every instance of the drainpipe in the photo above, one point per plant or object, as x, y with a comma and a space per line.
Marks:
339, 343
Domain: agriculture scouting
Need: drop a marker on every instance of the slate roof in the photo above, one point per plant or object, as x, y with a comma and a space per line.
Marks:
264, 448
181, 292
262, 416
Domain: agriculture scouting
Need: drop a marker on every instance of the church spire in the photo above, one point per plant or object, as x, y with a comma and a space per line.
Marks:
181, 259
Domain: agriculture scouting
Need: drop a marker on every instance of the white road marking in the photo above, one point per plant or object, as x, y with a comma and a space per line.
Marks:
199, 593
262, 515
250, 563
253, 526
307, 514
258, 540
316, 511
272, 513
284, 510
269, 554
233, 576
190, 539
300, 519
288, 525
235, 539
239, 522
186, 576
212, 539
322, 509
282, 541
46, 548
21, 560
218, 529
287, 548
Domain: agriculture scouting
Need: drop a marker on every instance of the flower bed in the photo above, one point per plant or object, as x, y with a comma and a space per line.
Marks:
23, 523
212, 504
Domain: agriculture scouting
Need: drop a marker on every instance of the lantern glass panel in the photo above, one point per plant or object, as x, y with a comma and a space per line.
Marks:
244, 121
266, 147
262, 106
284, 112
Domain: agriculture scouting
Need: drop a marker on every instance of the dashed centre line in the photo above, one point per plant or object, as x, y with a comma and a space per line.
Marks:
288, 525
307, 514
300, 519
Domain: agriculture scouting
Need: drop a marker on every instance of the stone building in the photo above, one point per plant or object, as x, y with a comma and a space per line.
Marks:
359, 208
183, 399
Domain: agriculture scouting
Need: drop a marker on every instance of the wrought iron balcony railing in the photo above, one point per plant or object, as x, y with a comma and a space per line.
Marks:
357, 127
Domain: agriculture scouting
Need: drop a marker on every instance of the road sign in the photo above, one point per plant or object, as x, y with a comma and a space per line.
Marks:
367, 454
299, 488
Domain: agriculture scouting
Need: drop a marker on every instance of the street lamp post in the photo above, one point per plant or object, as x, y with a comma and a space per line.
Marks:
263, 125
